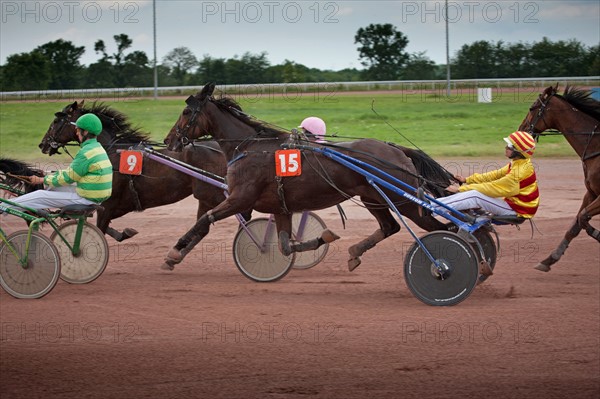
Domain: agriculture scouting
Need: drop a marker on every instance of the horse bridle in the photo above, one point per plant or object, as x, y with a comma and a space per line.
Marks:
195, 106
540, 114
62, 116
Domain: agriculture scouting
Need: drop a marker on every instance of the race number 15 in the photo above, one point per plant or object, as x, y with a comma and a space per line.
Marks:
288, 163
131, 163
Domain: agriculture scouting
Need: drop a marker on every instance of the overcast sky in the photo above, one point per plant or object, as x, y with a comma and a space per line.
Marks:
318, 34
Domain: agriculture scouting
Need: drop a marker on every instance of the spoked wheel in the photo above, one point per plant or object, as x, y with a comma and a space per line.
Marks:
42, 271
92, 258
458, 277
490, 250
313, 227
256, 263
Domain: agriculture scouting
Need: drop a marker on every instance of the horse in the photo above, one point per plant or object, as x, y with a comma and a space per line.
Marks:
157, 185
11, 168
250, 146
575, 115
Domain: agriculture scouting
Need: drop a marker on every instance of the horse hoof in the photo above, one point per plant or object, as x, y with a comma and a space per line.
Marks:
173, 256
128, 233
329, 236
543, 268
353, 263
167, 266
485, 269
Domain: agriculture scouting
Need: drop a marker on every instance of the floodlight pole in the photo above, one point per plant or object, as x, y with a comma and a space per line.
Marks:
447, 54
155, 61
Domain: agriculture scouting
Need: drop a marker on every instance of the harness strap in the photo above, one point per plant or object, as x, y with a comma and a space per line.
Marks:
237, 158
136, 197
281, 195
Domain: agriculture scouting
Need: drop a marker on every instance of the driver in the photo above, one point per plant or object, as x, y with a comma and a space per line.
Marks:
511, 190
91, 170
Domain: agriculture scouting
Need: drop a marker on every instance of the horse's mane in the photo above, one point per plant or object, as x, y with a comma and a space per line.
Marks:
583, 101
231, 106
20, 168
117, 125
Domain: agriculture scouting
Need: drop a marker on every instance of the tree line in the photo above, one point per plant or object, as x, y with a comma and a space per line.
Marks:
381, 49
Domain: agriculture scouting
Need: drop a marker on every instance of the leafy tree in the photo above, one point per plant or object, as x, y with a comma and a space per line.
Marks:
381, 49
476, 60
181, 61
248, 69
593, 60
65, 69
26, 71
563, 58
211, 70
118, 68
419, 67
136, 69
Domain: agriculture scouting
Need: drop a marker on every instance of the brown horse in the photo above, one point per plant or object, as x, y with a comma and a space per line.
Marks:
576, 115
9, 168
157, 185
250, 147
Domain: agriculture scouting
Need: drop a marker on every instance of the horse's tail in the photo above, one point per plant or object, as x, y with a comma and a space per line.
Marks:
10, 167
436, 177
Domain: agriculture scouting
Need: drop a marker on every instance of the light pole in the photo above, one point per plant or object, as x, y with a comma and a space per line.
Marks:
447, 54
155, 61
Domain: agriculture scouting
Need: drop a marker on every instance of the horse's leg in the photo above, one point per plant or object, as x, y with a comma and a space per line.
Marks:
573, 232
387, 227
586, 214
102, 222
284, 228
188, 241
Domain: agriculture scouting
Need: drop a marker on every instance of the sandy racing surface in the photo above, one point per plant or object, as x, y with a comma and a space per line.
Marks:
204, 330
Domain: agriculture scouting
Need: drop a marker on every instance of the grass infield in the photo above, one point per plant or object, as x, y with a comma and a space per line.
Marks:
442, 127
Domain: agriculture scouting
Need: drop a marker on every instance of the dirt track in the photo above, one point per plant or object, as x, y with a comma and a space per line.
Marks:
204, 330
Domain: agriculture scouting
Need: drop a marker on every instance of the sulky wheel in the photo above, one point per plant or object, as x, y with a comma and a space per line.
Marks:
456, 257
260, 264
92, 259
39, 275
313, 227
490, 250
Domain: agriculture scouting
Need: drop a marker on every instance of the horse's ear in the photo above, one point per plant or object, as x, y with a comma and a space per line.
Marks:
74, 106
208, 89
81, 103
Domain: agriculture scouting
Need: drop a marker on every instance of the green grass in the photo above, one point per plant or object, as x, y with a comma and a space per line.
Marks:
458, 128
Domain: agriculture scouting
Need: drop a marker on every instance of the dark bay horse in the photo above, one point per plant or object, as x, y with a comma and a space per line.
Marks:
12, 167
250, 146
157, 185
576, 115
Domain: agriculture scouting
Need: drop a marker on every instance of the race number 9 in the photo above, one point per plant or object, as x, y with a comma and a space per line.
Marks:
288, 163
131, 163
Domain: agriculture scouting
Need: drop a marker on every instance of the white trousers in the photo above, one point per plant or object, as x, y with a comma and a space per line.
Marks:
57, 197
473, 199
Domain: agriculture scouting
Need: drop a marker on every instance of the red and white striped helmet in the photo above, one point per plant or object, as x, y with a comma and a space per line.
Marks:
522, 142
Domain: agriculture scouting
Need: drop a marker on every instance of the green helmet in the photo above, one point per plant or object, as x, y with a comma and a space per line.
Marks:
91, 123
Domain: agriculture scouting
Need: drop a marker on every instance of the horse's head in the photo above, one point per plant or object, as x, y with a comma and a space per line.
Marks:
61, 131
188, 126
534, 122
